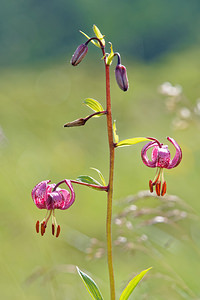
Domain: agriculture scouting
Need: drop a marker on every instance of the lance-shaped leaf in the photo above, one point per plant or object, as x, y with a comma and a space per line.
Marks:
132, 284
116, 137
110, 56
95, 43
99, 34
94, 105
90, 285
132, 141
100, 175
89, 180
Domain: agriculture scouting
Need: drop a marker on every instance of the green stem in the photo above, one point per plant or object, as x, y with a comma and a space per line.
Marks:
111, 174
110, 186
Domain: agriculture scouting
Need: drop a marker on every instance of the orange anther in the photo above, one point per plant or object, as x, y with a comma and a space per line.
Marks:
164, 188
37, 226
53, 229
151, 186
58, 231
158, 186
43, 227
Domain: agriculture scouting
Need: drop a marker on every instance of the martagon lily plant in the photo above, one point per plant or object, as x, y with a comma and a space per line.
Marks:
51, 197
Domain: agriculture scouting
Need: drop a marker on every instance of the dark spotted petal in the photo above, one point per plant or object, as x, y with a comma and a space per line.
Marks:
146, 160
39, 194
63, 199
178, 155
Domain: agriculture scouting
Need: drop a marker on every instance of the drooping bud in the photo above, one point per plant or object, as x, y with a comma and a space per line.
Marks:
79, 54
78, 122
121, 77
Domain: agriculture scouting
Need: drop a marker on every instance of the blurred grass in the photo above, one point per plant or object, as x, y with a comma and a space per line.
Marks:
35, 102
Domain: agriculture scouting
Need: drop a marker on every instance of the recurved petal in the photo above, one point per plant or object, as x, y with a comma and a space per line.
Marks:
39, 194
178, 155
67, 198
146, 160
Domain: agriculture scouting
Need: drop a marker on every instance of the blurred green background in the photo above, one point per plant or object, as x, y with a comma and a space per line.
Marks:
40, 91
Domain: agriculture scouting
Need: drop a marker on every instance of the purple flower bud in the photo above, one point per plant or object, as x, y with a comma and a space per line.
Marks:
79, 54
78, 122
121, 77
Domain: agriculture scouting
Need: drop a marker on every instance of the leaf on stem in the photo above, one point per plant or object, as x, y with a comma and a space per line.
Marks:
116, 137
100, 175
110, 56
90, 285
132, 141
88, 179
132, 284
93, 42
99, 34
94, 105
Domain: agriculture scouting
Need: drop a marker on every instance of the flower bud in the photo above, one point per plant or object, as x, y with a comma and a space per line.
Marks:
121, 77
79, 54
78, 122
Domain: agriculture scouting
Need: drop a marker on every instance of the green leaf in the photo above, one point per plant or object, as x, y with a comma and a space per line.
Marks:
116, 137
90, 285
98, 35
110, 56
85, 34
100, 175
87, 179
132, 141
94, 105
95, 43
132, 284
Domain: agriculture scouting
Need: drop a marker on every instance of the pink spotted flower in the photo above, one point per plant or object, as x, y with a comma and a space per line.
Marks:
160, 159
50, 197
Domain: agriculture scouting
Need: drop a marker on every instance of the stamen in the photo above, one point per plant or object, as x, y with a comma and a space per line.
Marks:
43, 227
158, 186
53, 229
58, 231
37, 226
164, 188
48, 217
157, 176
151, 186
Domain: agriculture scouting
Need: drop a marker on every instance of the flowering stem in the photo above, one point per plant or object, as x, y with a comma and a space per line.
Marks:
110, 185
111, 170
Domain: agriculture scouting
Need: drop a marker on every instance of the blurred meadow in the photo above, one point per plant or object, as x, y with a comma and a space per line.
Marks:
40, 91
